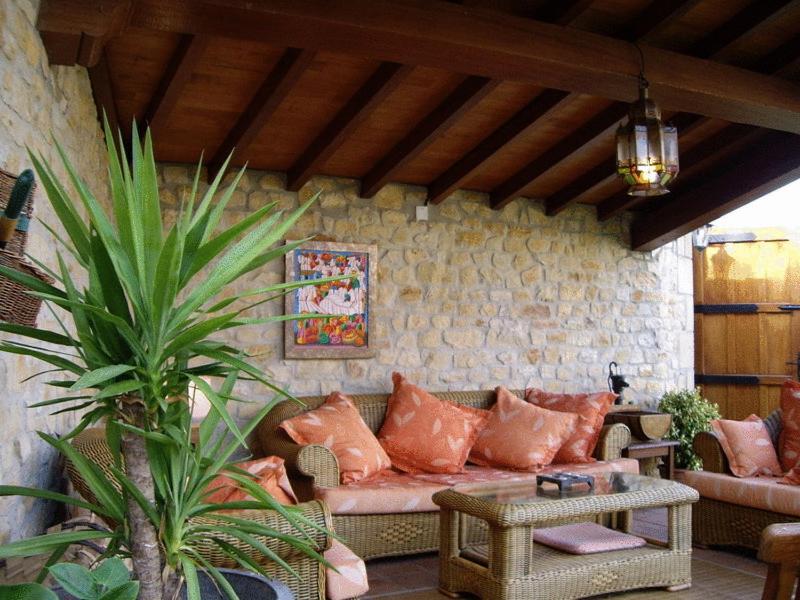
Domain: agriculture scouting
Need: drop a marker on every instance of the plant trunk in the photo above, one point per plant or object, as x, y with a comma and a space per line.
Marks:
145, 549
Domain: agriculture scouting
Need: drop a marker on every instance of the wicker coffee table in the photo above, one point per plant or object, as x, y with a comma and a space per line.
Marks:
511, 566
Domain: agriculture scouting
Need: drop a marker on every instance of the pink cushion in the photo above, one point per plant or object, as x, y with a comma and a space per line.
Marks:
585, 538
348, 578
394, 492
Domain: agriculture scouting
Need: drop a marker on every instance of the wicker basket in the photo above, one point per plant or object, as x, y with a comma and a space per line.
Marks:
16, 305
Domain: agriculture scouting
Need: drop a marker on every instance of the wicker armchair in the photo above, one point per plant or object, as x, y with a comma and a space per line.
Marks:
715, 522
311, 583
373, 536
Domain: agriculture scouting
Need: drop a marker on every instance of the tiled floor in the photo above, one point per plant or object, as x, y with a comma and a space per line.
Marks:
717, 574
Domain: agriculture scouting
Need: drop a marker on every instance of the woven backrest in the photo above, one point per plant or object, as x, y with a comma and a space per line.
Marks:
372, 407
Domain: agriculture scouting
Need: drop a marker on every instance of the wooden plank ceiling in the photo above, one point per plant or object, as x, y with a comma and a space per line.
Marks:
510, 97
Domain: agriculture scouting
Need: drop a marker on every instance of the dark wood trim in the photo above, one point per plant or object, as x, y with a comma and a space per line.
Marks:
514, 185
657, 15
779, 58
471, 91
458, 173
275, 88
725, 309
761, 167
703, 379
103, 92
177, 73
562, 12
489, 44
382, 83
740, 24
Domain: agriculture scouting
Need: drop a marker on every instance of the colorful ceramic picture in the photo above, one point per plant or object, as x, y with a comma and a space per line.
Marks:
347, 333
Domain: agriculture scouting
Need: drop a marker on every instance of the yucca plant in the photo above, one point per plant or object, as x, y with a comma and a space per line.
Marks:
144, 326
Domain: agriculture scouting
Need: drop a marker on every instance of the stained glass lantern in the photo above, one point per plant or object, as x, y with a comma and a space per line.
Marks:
647, 150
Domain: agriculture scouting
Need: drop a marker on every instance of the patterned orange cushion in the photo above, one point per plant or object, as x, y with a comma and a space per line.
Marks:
521, 436
346, 577
748, 447
789, 441
269, 473
338, 425
591, 410
422, 433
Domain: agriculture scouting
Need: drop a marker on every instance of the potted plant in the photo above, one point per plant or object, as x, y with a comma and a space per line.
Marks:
145, 325
691, 414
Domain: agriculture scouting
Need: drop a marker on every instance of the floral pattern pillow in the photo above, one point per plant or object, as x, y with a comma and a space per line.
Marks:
269, 473
591, 410
338, 426
789, 440
748, 447
520, 435
423, 434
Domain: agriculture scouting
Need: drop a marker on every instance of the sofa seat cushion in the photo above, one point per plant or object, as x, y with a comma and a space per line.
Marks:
391, 492
764, 493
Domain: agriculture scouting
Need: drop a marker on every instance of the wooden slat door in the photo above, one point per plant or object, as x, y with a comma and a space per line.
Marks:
747, 321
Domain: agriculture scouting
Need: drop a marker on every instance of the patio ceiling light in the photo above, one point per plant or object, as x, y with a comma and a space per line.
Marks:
647, 150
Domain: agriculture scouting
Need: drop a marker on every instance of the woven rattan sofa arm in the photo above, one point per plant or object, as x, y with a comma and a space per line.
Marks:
320, 463
706, 445
613, 440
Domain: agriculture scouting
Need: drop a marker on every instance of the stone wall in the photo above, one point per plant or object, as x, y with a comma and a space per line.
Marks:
474, 297
37, 100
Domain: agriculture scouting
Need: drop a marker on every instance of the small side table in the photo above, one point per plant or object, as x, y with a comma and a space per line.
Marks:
654, 449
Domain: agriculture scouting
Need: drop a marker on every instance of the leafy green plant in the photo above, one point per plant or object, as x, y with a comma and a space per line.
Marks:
691, 414
145, 325
109, 580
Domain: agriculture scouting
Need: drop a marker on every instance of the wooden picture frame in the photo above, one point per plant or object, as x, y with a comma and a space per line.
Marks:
351, 333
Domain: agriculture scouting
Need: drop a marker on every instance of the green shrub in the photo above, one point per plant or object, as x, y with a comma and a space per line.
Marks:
691, 414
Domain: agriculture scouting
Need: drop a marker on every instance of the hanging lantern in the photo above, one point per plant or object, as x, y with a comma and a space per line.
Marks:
647, 150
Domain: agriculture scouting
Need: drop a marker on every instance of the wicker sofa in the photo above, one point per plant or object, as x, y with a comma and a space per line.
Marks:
315, 474
310, 583
734, 511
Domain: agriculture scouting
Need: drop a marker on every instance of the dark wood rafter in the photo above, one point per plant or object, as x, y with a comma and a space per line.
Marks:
522, 121
658, 14
471, 91
103, 93
490, 44
178, 72
383, 82
771, 163
778, 59
742, 23
75, 32
514, 185
275, 88
562, 12
703, 151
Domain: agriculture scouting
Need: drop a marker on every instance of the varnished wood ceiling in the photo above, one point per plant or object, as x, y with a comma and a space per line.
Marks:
510, 97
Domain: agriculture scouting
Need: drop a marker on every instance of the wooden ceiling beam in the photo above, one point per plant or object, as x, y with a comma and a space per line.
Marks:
779, 58
562, 12
522, 121
471, 91
103, 93
755, 171
657, 15
740, 24
291, 65
489, 44
382, 83
733, 134
514, 185
177, 73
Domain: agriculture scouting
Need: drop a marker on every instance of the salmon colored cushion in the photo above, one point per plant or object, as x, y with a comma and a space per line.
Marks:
269, 473
792, 476
521, 436
748, 447
789, 440
338, 426
585, 538
423, 434
347, 575
591, 410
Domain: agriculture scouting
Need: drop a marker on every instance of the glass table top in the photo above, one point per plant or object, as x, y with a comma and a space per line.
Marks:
528, 492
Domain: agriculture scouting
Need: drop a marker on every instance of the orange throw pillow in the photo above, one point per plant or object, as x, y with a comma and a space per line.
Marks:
591, 410
521, 436
269, 473
789, 440
338, 426
423, 434
748, 447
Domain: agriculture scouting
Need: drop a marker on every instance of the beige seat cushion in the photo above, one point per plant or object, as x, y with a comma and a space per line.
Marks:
393, 492
764, 493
